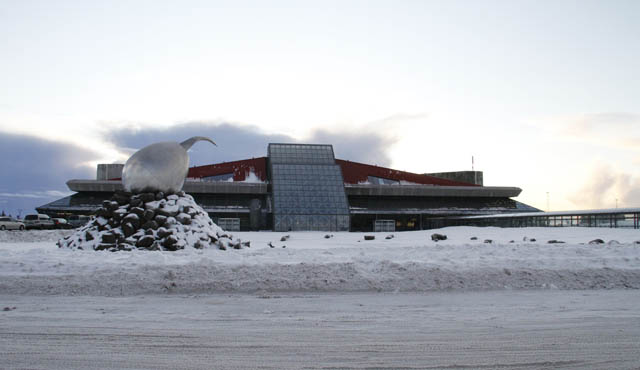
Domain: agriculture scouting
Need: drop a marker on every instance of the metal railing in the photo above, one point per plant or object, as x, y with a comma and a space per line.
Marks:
610, 218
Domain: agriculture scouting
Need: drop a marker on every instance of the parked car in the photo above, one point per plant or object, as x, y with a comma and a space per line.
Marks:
38, 221
78, 220
61, 223
10, 223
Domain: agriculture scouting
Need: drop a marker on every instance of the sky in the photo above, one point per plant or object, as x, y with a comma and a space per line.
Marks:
542, 94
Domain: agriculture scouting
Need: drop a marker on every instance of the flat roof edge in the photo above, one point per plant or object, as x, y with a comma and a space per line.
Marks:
433, 190
190, 187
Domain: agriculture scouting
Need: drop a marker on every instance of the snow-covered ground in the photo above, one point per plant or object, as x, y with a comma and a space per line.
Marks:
341, 303
31, 263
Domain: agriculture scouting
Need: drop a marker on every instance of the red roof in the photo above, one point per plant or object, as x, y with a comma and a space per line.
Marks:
354, 173
240, 169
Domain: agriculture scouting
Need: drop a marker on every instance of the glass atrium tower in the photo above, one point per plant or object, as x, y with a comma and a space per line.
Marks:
308, 188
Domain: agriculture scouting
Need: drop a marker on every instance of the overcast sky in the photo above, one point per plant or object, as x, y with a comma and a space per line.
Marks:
543, 94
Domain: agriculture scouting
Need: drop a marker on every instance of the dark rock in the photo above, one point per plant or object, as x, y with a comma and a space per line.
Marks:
163, 232
147, 197
109, 238
125, 247
138, 211
145, 241
133, 219
285, 238
169, 241
369, 237
389, 237
553, 241
159, 195
164, 212
184, 219
328, 236
148, 214
181, 193
149, 225
437, 237
488, 241
271, 245
113, 222
118, 215
101, 212
246, 244
160, 219
88, 236
121, 198
284, 246
106, 204
200, 244
128, 229
532, 240
105, 246
474, 238
149, 232
512, 241
136, 202
597, 241
213, 237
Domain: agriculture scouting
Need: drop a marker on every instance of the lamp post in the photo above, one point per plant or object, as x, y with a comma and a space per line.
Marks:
548, 209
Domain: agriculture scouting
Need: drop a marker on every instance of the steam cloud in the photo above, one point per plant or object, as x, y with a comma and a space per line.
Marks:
605, 186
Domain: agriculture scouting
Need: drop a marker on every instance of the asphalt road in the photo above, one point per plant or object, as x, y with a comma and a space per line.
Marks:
473, 330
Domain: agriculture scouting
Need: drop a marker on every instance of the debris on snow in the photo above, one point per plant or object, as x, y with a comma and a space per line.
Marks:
437, 237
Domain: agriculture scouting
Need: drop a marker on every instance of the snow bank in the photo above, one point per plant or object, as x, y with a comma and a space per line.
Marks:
307, 261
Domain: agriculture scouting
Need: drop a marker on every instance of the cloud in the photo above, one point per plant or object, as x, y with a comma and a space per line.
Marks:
604, 186
358, 147
236, 142
34, 171
37, 194
605, 129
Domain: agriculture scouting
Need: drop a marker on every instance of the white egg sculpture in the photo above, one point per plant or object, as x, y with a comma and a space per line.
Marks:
159, 167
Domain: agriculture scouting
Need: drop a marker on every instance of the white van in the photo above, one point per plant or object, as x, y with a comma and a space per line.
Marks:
38, 221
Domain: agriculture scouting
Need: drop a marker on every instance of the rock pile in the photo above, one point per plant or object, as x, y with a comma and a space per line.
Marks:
150, 221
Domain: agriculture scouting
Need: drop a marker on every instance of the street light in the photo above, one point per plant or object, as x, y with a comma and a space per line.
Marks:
548, 209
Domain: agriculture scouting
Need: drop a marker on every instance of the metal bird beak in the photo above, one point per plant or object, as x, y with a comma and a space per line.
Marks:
189, 142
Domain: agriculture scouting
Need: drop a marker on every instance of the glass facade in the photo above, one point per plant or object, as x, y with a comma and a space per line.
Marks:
301, 154
308, 188
381, 181
223, 177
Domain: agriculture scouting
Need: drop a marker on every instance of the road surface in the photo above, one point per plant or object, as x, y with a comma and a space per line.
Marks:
466, 330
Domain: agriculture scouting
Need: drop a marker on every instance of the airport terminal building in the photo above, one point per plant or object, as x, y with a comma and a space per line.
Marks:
304, 187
